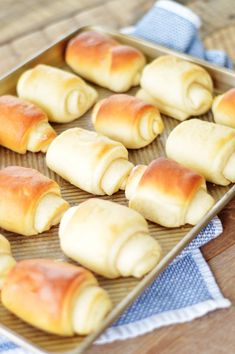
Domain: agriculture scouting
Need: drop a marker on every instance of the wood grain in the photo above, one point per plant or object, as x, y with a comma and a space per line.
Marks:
45, 21
227, 239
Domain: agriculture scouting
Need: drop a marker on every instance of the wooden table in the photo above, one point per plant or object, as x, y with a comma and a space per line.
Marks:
27, 26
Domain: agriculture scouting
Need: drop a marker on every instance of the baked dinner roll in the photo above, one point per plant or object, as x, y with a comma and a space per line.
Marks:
104, 61
223, 108
179, 88
6, 259
56, 297
168, 193
62, 95
127, 119
90, 161
30, 202
206, 148
108, 238
23, 126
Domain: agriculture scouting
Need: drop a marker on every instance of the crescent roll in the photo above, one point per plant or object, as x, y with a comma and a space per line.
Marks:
127, 119
206, 148
30, 203
55, 297
179, 88
62, 95
6, 259
23, 126
108, 238
104, 61
168, 193
90, 161
223, 108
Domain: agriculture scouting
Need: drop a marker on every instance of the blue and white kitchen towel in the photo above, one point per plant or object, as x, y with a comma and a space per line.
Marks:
175, 26
187, 288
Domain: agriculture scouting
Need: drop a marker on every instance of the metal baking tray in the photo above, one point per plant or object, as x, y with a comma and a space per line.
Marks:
123, 291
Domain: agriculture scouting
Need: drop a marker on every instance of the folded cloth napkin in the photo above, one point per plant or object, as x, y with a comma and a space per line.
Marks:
187, 288
175, 26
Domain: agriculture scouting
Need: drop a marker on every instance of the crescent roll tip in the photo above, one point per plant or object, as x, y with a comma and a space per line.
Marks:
168, 193
104, 61
25, 126
205, 147
119, 233
90, 161
34, 200
128, 120
177, 87
74, 302
72, 96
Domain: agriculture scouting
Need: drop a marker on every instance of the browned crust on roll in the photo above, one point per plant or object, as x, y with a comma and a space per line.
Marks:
90, 48
21, 189
227, 103
122, 108
41, 292
123, 57
171, 179
17, 118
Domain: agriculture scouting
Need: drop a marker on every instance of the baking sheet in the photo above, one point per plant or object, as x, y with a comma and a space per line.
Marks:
124, 290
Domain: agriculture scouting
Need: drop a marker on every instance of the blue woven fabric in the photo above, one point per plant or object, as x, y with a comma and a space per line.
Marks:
180, 285
6, 346
166, 28
170, 29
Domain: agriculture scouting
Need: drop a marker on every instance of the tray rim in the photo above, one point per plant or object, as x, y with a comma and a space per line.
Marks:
189, 236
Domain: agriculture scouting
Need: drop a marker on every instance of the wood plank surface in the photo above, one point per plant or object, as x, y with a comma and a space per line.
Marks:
27, 26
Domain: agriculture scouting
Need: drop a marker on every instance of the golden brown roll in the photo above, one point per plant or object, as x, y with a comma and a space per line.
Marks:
62, 95
6, 259
168, 193
108, 238
207, 148
223, 108
90, 161
179, 88
56, 297
127, 119
104, 61
30, 202
24, 126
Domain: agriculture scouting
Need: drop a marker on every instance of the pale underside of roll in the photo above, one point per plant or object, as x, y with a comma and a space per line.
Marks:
6, 259
223, 108
206, 148
37, 209
65, 300
178, 88
62, 95
167, 193
102, 60
90, 161
128, 120
109, 239
24, 126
